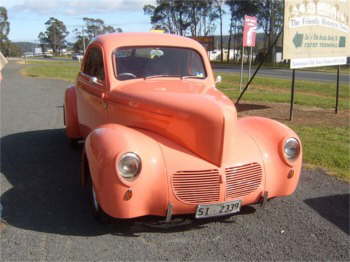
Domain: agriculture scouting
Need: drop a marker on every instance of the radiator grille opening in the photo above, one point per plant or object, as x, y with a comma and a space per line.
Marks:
242, 180
196, 187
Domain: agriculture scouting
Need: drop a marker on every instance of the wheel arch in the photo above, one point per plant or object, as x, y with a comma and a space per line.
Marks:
149, 194
70, 113
269, 135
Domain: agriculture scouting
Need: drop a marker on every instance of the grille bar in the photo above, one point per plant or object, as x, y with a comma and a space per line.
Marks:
242, 180
203, 186
196, 187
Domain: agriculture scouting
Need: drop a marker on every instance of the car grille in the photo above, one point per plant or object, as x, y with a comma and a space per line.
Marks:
242, 180
197, 186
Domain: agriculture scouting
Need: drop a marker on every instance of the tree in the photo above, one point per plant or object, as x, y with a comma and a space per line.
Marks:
270, 16
169, 15
202, 17
4, 24
4, 31
238, 9
91, 28
183, 17
55, 35
220, 11
94, 27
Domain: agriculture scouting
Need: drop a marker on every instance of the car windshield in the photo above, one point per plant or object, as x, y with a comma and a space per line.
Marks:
152, 62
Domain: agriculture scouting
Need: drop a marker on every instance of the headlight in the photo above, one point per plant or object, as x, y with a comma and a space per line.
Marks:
129, 165
291, 148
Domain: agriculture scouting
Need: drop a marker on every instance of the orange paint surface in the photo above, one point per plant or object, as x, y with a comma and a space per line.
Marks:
193, 148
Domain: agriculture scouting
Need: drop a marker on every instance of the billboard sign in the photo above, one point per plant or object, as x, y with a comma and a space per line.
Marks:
249, 31
206, 41
316, 33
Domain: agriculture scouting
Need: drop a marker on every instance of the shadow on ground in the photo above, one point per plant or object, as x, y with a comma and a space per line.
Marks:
248, 107
333, 208
46, 195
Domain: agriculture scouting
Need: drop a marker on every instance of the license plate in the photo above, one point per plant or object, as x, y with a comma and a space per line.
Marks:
213, 210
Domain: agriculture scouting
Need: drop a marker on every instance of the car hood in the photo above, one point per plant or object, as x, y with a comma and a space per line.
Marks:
184, 111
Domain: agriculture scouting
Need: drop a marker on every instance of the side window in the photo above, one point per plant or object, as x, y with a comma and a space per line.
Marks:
94, 63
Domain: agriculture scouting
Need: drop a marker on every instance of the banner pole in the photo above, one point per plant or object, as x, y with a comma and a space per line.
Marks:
337, 92
250, 61
257, 69
241, 80
292, 97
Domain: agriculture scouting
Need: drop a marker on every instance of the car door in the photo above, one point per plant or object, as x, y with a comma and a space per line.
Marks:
91, 88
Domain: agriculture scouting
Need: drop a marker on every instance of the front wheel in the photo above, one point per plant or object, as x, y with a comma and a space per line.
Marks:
97, 211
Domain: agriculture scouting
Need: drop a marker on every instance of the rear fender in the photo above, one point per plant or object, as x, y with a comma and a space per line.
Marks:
145, 195
270, 136
70, 113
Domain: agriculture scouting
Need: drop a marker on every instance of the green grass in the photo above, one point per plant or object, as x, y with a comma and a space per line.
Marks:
52, 69
344, 69
319, 94
326, 147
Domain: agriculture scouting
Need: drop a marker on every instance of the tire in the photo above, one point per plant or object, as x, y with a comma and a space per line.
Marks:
96, 210
74, 143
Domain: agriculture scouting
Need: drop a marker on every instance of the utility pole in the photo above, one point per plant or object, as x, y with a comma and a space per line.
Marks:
83, 37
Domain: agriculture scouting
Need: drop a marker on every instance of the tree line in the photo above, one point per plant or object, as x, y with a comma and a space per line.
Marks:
201, 18
56, 33
183, 17
6, 46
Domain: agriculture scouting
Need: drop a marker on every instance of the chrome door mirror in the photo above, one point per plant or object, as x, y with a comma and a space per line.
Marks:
218, 79
94, 79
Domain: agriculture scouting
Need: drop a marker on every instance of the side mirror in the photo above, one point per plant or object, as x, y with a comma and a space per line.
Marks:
218, 79
94, 79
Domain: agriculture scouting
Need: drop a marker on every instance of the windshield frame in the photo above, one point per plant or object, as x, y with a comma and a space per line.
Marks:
115, 65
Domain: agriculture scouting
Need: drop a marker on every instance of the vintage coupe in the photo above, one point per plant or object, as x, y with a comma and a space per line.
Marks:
161, 139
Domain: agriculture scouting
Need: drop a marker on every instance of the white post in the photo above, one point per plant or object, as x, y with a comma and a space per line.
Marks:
83, 37
241, 81
250, 61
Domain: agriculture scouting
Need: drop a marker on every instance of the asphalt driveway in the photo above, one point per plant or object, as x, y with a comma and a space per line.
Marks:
47, 217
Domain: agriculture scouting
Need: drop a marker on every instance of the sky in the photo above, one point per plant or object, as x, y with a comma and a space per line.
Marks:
27, 17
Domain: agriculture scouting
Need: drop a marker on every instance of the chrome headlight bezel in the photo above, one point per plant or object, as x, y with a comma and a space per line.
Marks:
291, 149
122, 163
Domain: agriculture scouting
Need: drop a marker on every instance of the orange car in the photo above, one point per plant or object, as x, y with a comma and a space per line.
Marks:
161, 139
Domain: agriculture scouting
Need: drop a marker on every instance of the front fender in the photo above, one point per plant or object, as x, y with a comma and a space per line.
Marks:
149, 194
269, 136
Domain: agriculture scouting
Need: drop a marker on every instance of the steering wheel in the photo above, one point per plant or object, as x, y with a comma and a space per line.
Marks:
127, 74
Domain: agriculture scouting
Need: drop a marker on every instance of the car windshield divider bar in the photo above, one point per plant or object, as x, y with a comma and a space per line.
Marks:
258, 68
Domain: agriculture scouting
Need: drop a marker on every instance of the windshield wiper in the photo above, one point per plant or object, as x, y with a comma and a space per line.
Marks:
154, 76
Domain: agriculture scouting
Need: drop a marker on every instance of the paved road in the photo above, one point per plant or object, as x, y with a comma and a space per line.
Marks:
48, 219
287, 74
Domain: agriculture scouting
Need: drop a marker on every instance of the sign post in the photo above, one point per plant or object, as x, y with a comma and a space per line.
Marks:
316, 33
242, 65
249, 36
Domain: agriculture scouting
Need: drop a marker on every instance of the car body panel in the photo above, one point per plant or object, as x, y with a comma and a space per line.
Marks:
193, 148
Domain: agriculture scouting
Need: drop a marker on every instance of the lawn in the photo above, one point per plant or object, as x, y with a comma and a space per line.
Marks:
319, 94
325, 143
328, 147
52, 69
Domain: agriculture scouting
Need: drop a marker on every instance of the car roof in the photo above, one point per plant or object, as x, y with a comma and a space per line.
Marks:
115, 40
